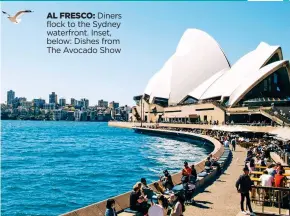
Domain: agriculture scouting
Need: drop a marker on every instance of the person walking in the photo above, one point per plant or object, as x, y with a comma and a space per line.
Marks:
234, 142
244, 186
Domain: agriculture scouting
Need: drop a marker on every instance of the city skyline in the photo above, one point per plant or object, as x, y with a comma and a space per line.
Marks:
238, 27
68, 101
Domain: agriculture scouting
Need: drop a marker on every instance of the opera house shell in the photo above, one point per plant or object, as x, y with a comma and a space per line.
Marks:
200, 70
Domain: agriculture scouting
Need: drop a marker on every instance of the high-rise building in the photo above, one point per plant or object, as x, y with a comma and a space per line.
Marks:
10, 97
73, 102
53, 98
102, 103
85, 102
62, 102
80, 103
114, 105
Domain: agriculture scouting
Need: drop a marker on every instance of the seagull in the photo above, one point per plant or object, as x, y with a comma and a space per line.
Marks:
14, 18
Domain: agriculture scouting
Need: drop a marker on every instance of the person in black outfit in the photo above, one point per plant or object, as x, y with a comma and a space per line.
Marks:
188, 188
193, 171
244, 186
208, 165
137, 201
215, 163
167, 180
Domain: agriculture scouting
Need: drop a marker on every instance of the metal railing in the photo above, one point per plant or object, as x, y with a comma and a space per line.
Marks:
279, 198
275, 113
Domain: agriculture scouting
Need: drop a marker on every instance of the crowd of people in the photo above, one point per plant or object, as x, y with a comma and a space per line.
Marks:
165, 201
169, 202
143, 202
258, 157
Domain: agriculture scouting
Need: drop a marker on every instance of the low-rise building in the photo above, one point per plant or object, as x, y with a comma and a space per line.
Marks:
59, 115
114, 105
38, 102
26, 104
49, 106
102, 103
70, 116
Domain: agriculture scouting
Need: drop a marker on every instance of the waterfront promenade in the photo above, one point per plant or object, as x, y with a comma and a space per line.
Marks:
221, 198
218, 198
281, 132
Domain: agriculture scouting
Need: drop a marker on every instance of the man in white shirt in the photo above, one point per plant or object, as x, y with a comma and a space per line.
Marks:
266, 179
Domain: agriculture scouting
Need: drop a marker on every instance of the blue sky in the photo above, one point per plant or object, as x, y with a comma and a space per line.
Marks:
149, 35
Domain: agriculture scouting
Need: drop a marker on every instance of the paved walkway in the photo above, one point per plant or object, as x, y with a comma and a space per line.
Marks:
221, 198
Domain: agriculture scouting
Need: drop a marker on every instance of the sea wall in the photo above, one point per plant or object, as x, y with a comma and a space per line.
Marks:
122, 201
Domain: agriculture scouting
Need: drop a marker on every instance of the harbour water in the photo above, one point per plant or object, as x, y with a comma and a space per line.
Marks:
49, 168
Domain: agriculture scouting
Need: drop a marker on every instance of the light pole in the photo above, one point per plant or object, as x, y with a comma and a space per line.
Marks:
141, 110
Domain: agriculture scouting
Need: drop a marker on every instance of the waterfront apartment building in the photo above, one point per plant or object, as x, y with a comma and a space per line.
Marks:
70, 116
114, 105
59, 115
38, 102
21, 99
80, 115
26, 104
49, 106
198, 85
62, 102
10, 97
53, 98
102, 103
17, 101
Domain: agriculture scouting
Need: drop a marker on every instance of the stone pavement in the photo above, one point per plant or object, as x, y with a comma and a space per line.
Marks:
221, 198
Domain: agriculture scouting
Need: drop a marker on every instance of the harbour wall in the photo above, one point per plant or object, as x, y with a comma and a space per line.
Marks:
122, 201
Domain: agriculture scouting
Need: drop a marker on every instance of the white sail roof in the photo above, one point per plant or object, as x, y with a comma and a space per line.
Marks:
161, 85
198, 56
200, 69
253, 79
203, 87
244, 67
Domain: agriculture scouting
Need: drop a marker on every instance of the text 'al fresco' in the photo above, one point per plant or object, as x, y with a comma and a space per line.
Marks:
83, 33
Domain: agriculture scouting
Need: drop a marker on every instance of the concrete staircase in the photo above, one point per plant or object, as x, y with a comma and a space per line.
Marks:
219, 106
136, 114
276, 118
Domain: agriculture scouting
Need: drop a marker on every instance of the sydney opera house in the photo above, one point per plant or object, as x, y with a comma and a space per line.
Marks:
199, 84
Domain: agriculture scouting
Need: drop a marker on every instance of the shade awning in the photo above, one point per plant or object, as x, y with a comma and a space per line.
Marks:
193, 116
